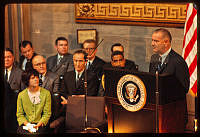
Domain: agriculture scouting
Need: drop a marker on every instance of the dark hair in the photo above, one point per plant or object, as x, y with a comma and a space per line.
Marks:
89, 41
27, 74
165, 33
60, 38
116, 45
24, 44
10, 50
117, 53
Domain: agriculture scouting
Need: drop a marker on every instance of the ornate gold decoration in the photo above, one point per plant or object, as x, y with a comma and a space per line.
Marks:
85, 10
131, 13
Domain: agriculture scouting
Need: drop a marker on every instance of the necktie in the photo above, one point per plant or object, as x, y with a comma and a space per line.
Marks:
59, 60
159, 64
40, 80
88, 65
6, 75
77, 79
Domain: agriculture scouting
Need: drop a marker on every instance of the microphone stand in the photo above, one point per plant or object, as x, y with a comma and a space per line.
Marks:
157, 103
86, 92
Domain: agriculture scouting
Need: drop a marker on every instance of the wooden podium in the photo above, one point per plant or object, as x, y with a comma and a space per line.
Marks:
75, 113
171, 107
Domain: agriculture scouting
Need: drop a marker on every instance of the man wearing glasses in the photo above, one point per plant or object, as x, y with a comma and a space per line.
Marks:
117, 59
129, 64
94, 64
50, 81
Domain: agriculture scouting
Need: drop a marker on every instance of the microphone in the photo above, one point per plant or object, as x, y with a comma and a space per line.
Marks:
156, 61
85, 57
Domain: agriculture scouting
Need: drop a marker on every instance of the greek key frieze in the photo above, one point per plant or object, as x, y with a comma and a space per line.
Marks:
132, 11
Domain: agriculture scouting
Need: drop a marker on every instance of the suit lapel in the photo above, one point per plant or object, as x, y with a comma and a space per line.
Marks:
45, 81
56, 67
11, 75
54, 63
73, 80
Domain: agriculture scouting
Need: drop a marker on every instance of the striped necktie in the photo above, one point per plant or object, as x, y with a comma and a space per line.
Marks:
58, 62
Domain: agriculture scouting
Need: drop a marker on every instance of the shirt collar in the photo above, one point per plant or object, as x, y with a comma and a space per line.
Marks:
80, 73
60, 56
165, 54
91, 61
9, 69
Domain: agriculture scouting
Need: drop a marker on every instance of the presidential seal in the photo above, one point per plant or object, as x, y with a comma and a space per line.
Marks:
131, 92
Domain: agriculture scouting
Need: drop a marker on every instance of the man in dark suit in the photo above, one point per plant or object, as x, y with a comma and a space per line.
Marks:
166, 60
62, 61
118, 60
74, 80
13, 85
94, 64
171, 62
50, 81
128, 63
27, 51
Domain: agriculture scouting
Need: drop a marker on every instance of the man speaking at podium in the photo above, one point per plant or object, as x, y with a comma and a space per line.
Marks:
166, 60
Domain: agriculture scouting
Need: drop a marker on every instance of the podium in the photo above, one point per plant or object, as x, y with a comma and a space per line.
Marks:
171, 107
75, 113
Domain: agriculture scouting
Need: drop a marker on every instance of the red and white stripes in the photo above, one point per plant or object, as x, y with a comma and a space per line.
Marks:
190, 45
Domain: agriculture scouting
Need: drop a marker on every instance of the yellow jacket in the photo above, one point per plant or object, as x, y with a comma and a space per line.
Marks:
33, 113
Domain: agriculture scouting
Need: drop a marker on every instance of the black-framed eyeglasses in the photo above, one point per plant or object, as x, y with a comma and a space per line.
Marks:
89, 49
120, 60
39, 64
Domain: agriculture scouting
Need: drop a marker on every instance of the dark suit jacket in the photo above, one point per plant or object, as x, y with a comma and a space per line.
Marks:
66, 64
51, 83
71, 88
15, 79
12, 88
28, 64
175, 65
130, 65
97, 67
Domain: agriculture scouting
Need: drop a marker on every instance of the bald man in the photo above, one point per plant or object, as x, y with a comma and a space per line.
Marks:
166, 60
49, 81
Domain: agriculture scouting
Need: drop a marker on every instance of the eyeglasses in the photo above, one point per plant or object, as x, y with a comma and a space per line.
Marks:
39, 64
120, 60
89, 49
76, 61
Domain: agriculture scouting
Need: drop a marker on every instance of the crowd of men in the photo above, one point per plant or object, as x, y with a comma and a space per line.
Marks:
64, 74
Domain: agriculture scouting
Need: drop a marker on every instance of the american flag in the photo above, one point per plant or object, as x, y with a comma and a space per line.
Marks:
190, 45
